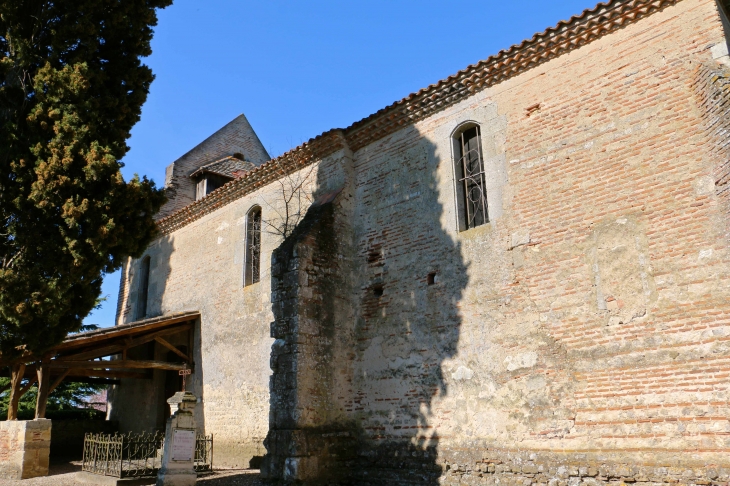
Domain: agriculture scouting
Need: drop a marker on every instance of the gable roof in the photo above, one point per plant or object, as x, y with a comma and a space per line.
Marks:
565, 37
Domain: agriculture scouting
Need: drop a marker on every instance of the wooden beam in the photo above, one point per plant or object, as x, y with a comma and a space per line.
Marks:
75, 375
99, 381
58, 381
85, 340
55, 372
118, 363
118, 348
173, 349
119, 331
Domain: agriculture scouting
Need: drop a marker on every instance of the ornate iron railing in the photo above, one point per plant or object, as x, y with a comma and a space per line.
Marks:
136, 455
204, 453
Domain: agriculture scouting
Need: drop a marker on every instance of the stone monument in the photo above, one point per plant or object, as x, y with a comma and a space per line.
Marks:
178, 457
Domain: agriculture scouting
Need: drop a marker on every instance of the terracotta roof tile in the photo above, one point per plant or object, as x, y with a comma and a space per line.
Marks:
566, 36
227, 167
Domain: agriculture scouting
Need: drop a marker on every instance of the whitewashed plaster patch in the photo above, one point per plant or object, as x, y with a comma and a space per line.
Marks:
525, 360
462, 373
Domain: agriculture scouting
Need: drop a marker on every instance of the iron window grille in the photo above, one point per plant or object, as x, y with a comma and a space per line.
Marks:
471, 184
253, 247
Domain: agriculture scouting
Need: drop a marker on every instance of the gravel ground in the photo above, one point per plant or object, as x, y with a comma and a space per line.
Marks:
63, 474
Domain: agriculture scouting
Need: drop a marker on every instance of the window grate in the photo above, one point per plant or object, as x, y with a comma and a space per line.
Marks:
253, 246
471, 179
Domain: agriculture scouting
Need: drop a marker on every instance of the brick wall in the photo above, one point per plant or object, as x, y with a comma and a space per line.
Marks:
580, 337
24, 448
590, 314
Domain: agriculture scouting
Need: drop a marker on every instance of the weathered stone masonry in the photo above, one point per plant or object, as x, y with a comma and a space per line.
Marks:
581, 337
306, 429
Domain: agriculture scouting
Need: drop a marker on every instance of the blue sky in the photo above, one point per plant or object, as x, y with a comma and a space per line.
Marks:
299, 68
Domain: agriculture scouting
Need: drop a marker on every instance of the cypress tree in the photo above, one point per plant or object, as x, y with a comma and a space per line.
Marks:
72, 86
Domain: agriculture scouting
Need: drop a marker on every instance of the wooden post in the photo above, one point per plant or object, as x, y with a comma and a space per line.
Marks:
43, 369
16, 376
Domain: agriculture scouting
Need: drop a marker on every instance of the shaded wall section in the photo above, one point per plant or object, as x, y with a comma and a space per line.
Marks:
313, 284
412, 276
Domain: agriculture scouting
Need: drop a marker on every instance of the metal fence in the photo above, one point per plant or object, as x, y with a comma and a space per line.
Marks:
136, 455
204, 453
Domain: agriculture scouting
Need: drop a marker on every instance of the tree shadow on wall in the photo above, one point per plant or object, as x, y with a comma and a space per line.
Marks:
413, 278
365, 295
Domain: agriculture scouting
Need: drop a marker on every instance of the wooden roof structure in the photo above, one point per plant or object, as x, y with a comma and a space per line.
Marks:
85, 357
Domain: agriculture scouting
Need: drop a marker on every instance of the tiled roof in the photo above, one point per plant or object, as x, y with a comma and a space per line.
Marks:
567, 36
227, 167
302, 156
83, 340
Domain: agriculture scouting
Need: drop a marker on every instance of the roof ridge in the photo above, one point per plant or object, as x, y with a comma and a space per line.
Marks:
579, 30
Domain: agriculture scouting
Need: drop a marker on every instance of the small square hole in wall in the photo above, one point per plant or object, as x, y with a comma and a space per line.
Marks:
378, 290
431, 278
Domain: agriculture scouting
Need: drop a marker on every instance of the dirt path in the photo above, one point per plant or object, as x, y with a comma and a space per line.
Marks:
64, 474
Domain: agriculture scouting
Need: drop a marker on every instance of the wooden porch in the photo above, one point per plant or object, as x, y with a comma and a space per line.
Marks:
98, 357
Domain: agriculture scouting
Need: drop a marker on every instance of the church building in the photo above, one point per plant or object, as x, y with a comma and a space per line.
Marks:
517, 275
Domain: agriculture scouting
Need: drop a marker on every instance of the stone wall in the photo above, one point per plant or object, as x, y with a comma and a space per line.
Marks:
201, 268
579, 337
310, 437
590, 314
563, 469
24, 448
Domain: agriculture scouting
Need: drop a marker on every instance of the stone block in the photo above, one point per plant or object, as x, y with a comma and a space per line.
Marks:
25, 447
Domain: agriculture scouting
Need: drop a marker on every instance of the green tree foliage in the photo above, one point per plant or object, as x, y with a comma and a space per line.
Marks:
68, 400
71, 87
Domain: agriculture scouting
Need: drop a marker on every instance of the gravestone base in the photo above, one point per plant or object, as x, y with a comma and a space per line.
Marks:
178, 457
172, 477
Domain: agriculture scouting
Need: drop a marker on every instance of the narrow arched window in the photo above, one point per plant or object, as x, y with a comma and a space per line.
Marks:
471, 191
144, 287
253, 246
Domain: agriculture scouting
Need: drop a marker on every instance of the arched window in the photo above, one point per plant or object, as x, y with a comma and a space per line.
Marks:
471, 191
253, 246
144, 287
